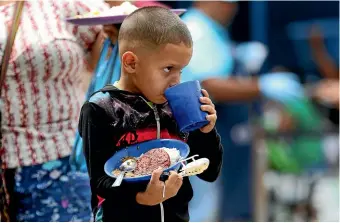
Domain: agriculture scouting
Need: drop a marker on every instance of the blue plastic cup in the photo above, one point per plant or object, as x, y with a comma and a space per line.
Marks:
184, 101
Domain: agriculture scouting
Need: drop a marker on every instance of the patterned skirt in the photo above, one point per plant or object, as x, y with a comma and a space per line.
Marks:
51, 192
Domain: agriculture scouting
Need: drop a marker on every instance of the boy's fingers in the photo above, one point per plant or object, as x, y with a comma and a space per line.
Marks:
208, 108
211, 118
207, 101
156, 175
205, 93
172, 178
179, 182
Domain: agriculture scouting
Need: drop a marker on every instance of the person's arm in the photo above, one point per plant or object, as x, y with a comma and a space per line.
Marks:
277, 86
98, 146
113, 3
232, 89
207, 145
94, 52
323, 60
325, 63
90, 38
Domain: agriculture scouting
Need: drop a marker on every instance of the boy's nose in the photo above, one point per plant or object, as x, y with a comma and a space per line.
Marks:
175, 81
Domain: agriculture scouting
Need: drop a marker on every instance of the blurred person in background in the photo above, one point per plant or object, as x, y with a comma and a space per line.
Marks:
213, 64
327, 93
328, 89
42, 95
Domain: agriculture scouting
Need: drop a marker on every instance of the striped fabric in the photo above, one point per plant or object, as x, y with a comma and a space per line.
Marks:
42, 92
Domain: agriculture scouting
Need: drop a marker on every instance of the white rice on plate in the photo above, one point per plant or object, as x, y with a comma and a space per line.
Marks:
174, 155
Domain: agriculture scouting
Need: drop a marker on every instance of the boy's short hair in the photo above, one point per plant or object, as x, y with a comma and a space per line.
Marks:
153, 26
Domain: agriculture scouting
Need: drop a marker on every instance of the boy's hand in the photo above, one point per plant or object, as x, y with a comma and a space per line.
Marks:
173, 184
153, 194
209, 107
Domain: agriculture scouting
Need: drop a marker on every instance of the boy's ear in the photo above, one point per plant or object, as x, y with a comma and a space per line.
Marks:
129, 60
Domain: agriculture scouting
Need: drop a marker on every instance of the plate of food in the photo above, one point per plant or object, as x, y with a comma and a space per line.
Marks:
114, 15
147, 157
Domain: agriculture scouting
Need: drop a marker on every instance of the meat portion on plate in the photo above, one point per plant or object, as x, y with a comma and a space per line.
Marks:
151, 160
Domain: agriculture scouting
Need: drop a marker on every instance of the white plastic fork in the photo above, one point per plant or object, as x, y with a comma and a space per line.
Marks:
195, 167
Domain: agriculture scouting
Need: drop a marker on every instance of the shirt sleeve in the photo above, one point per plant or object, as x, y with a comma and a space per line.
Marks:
207, 145
86, 35
98, 147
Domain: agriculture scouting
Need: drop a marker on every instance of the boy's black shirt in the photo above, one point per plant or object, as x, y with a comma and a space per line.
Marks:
113, 119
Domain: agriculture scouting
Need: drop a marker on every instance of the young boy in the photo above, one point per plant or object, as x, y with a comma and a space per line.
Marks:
154, 46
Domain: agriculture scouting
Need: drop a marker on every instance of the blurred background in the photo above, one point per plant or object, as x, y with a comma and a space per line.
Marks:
290, 171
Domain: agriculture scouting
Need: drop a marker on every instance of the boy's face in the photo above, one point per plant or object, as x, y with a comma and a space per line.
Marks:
158, 69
